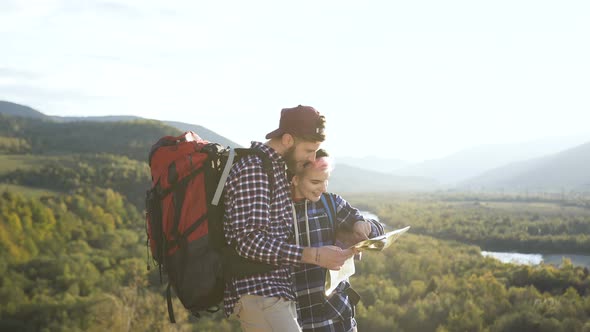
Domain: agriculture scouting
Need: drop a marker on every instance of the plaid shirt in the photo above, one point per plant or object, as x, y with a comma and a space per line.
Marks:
261, 226
316, 312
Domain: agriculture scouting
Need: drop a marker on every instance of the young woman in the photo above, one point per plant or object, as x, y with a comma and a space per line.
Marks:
316, 311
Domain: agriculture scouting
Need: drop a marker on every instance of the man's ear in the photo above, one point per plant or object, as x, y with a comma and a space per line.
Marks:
287, 140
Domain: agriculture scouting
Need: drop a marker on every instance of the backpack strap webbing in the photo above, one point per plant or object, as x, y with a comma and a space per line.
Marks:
330, 207
266, 163
224, 174
242, 152
169, 301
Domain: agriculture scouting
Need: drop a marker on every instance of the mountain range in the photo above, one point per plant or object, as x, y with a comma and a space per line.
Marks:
14, 109
566, 170
549, 164
473, 162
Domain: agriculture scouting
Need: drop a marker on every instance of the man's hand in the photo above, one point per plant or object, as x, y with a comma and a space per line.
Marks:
330, 257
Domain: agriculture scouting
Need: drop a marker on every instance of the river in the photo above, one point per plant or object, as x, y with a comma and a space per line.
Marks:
535, 259
519, 258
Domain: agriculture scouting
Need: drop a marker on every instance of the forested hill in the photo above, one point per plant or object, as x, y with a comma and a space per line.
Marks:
72, 231
13, 109
63, 157
73, 252
133, 136
132, 139
9, 108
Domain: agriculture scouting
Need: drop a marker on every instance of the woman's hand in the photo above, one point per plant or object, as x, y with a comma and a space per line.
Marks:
360, 232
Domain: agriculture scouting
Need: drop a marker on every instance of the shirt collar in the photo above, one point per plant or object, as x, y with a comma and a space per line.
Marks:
272, 153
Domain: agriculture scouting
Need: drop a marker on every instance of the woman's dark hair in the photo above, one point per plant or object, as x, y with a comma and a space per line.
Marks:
321, 153
318, 154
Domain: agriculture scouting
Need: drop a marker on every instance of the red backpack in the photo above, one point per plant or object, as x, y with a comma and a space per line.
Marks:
184, 219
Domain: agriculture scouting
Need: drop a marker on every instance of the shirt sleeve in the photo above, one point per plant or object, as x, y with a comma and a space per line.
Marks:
248, 222
347, 216
376, 228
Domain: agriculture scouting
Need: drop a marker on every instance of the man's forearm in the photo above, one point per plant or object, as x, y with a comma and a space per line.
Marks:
259, 247
330, 257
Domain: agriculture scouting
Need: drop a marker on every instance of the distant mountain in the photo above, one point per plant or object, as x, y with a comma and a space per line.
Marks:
473, 162
39, 134
373, 163
107, 118
132, 139
204, 133
352, 179
13, 109
566, 170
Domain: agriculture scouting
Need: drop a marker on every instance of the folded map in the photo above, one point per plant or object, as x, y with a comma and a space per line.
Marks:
333, 278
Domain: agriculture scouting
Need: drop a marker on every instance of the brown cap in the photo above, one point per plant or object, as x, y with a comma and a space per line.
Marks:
298, 121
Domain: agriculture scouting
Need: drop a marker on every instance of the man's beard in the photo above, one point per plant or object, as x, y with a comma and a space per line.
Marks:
290, 160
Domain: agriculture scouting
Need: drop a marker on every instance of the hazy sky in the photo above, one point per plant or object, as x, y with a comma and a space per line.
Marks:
405, 79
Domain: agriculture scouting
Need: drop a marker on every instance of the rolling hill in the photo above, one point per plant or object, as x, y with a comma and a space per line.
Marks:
374, 163
472, 162
13, 109
46, 137
26, 130
350, 179
132, 137
566, 170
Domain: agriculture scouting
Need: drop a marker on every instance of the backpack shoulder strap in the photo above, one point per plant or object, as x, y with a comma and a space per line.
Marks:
224, 174
266, 163
330, 206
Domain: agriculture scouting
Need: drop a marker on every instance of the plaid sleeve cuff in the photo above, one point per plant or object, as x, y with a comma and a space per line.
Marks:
376, 228
291, 254
270, 251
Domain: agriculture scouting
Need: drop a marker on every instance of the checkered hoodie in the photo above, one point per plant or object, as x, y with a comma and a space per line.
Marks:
317, 312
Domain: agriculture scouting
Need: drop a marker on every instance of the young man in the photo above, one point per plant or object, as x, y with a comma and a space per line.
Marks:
258, 223
318, 312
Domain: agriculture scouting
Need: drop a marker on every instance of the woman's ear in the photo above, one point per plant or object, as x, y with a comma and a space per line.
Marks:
295, 181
